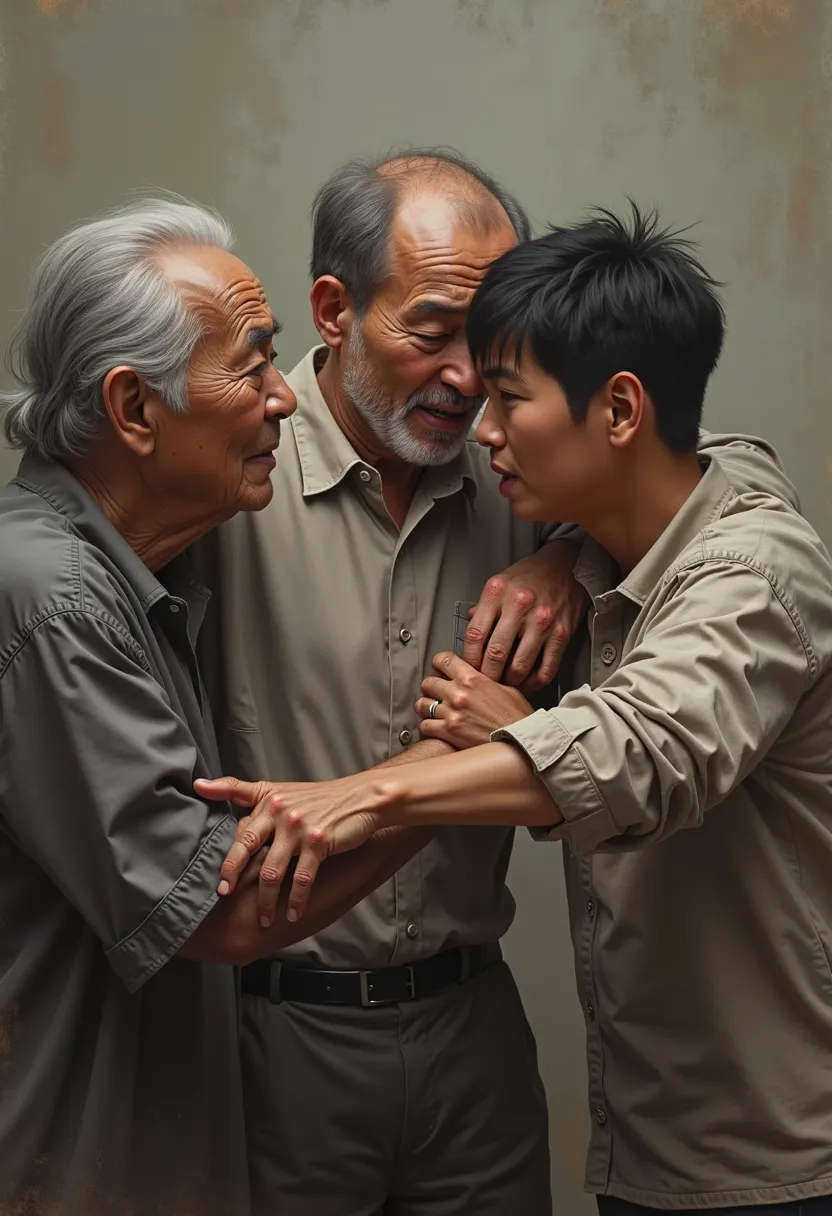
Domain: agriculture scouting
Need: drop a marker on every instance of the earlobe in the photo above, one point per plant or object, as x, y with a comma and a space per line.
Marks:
128, 403
331, 308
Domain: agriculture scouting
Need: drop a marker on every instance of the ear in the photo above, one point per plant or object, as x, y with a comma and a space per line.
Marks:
332, 309
126, 400
625, 408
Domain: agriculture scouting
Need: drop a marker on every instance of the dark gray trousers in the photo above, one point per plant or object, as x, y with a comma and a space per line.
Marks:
429, 1108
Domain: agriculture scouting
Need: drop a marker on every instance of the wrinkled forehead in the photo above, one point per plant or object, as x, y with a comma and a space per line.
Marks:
225, 293
438, 250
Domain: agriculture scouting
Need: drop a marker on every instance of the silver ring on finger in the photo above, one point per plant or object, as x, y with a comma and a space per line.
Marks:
432, 708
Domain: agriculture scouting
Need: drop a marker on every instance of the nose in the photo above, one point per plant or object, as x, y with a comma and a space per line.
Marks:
281, 402
489, 432
459, 371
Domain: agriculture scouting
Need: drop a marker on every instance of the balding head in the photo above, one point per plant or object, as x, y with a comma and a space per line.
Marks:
354, 212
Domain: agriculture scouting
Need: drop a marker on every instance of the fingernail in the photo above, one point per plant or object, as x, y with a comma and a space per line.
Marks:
224, 887
292, 915
265, 922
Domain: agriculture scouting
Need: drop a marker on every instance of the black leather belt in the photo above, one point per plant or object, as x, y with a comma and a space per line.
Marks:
386, 986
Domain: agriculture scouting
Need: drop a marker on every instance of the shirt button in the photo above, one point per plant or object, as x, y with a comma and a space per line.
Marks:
608, 653
412, 930
590, 907
174, 607
600, 1116
590, 1009
405, 737
365, 475
405, 635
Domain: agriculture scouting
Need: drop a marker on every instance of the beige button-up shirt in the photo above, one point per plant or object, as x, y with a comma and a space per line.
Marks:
329, 618
692, 762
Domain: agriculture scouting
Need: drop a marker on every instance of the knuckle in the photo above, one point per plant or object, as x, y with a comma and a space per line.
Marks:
496, 652
544, 617
302, 879
249, 839
273, 804
318, 836
521, 665
270, 876
460, 700
295, 818
496, 586
474, 634
523, 598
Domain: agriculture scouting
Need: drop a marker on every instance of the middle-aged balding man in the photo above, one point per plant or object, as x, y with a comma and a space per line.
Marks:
148, 411
375, 1079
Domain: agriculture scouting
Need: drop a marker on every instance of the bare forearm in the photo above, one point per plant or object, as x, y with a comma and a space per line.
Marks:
425, 749
231, 932
492, 784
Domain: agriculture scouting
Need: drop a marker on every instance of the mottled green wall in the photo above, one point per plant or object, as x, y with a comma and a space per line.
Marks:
718, 111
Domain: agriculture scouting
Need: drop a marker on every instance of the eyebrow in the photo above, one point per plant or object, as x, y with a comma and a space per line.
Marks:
500, 372
438, 306
262, 333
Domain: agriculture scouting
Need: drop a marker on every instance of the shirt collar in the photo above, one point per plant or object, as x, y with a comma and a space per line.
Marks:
325, 453
599, 574
54, 483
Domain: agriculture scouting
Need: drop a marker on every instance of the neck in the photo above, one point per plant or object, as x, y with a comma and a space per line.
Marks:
657, 487
134, 510
398, 478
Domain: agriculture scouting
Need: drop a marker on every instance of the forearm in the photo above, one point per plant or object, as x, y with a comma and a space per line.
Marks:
425, 749
491, 784
231, 932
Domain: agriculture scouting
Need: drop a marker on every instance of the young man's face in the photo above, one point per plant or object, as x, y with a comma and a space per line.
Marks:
550, 465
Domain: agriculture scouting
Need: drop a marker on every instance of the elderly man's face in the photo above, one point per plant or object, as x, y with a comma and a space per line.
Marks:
221, 451
406, 366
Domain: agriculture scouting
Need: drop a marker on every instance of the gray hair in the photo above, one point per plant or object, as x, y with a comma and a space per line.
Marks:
353, 213
98, 298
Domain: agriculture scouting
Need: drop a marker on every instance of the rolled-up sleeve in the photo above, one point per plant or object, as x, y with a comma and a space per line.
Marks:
96, 786
684, 719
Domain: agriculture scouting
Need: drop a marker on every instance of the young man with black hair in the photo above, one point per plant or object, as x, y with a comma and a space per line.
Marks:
698, 698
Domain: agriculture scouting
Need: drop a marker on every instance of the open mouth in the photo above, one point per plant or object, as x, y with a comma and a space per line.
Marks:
440, 419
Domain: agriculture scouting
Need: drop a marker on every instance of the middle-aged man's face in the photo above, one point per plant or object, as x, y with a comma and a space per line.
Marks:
407, 368
220, 452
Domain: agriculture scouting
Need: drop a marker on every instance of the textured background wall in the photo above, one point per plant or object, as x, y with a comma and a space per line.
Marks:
720, 111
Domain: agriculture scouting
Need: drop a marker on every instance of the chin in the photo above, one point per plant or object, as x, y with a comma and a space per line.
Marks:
256, 497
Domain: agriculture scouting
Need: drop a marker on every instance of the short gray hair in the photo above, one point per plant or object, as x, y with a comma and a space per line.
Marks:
354, 209
97, 299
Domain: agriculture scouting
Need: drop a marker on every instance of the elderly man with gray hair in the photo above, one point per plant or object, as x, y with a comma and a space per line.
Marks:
148, 411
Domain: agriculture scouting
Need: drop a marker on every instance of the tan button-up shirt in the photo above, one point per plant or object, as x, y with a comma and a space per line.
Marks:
695, 752
330, 618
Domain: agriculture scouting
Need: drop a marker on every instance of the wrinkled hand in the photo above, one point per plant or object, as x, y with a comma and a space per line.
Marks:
537, 603
470, 705
310, 821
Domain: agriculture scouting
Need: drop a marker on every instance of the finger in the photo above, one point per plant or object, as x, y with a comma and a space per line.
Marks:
272, 873
535, 633
253, 833
306, 871
231, 789
482, 621
436, 728
227, 885
550, 661
437, 687
451, 666
423, 708
498, 649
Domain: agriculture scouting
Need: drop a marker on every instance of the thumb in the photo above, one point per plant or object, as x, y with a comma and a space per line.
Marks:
229, 789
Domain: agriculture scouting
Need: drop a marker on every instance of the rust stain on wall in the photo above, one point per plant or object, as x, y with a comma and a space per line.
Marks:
758, 67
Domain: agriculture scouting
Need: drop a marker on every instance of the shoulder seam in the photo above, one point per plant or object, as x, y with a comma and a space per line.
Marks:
709, 557
66, 609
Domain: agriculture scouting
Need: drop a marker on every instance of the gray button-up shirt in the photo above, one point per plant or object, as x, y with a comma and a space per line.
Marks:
119, 1085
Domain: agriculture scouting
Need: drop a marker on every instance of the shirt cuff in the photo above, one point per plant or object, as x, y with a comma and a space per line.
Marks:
552, 752
175, 918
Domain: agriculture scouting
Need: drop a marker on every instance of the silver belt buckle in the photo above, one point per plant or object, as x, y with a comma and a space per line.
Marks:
369, 1001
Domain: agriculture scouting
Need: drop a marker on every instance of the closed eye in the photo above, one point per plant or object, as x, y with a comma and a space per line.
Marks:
257, 372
